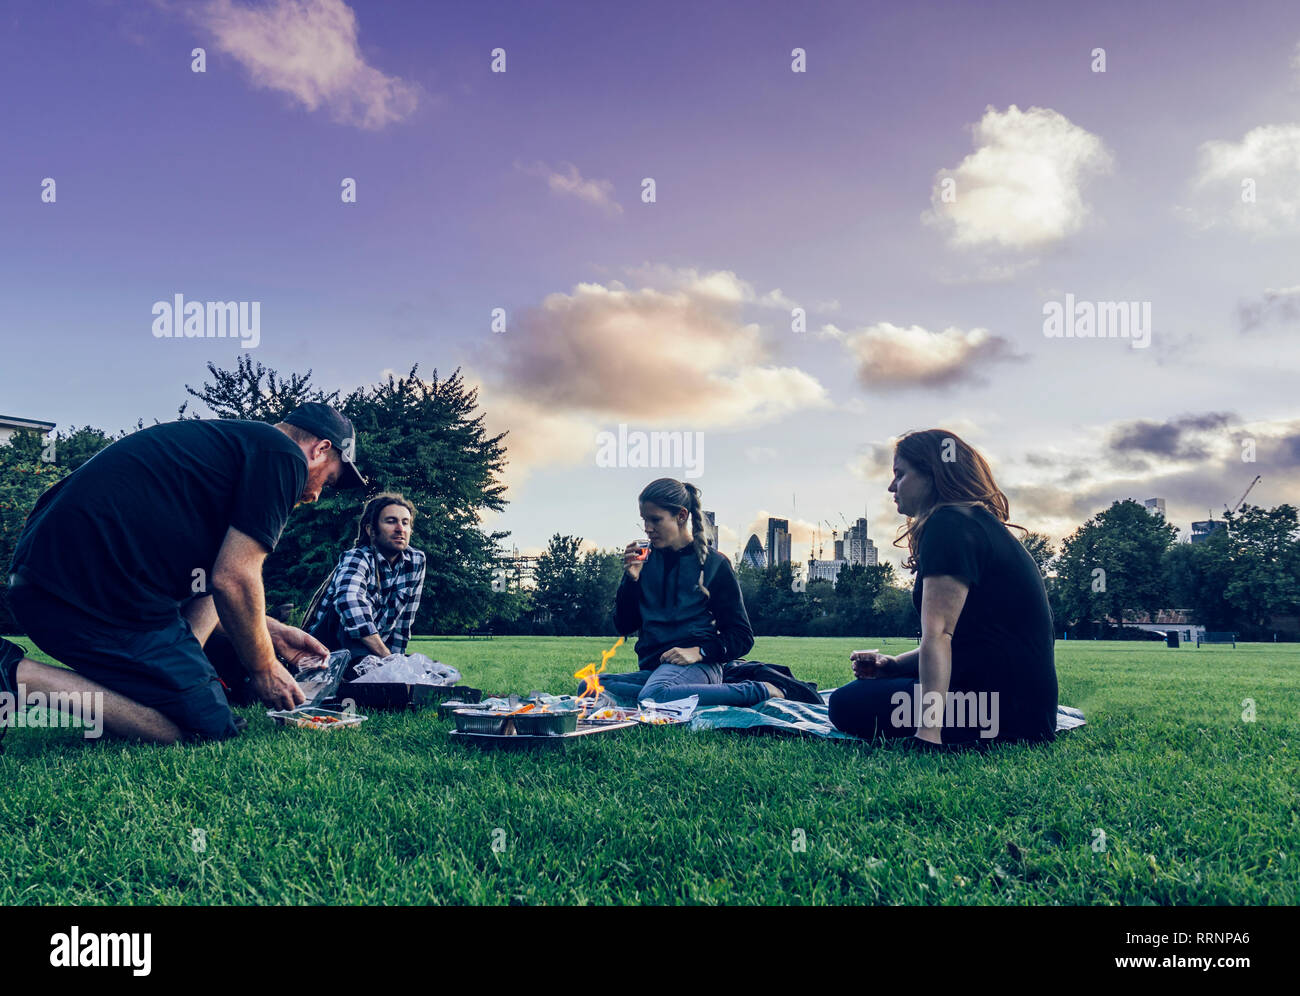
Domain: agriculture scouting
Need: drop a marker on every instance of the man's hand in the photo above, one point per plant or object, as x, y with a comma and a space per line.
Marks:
277, 689
294, 646
681, 656
872, 664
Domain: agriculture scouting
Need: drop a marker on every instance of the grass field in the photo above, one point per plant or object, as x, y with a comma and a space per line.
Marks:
1166, 797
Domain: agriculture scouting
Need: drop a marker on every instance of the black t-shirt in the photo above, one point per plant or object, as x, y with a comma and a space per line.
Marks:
122, 536
1005, 639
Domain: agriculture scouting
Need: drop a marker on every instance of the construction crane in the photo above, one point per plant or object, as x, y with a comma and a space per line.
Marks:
834, 536
1234, 508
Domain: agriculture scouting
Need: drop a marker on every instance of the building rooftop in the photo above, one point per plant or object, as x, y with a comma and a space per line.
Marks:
12, 422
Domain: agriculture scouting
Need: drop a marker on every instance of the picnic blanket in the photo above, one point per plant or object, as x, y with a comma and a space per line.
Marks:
806, 719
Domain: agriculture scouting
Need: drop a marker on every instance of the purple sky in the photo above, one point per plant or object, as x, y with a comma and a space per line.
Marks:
522, 190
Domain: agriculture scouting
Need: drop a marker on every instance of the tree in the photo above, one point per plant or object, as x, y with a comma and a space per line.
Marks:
24, 477
773, 607
560, 583
75, 447
422, 438
1040, 548
599, 575
1262, 549
856, 589
1113, 562
895, 613
1196, 576
240, 393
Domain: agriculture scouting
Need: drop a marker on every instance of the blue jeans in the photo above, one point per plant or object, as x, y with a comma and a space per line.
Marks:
671, 681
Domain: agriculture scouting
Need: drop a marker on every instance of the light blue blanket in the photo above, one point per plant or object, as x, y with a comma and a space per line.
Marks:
805, 719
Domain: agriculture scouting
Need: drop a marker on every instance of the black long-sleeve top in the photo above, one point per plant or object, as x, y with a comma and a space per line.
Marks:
668, 609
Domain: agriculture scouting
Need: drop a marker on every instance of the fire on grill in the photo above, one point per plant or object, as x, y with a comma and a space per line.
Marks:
541, 715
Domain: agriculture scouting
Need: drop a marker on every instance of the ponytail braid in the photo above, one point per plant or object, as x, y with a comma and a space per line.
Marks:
698, 536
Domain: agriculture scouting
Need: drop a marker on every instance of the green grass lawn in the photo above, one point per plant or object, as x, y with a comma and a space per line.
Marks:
1196, 805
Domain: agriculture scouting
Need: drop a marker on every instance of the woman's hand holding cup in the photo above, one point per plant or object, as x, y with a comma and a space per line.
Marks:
872, 664
634, 557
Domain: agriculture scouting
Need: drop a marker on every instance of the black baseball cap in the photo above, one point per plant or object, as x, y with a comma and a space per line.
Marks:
324, 422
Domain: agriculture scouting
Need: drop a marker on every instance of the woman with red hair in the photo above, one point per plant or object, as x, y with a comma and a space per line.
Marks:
985, 669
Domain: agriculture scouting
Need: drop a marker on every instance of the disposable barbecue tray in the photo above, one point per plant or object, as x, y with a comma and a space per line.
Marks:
396, 695
498, 741
530, 723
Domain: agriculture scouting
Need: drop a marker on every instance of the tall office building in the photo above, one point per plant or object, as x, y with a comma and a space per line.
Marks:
711, 530
825, 570
858, 547
778, 542
1202, 530
839, 549
1154, 505
753, 555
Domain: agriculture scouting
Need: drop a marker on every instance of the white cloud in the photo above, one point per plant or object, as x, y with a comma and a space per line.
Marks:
891, 357
1022, 187
1268, 157
776, 299
681, 356
723, 285
308, 49
571, 183
728, 541
604, 354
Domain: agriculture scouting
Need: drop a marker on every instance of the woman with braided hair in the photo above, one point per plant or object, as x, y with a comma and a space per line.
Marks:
684, 600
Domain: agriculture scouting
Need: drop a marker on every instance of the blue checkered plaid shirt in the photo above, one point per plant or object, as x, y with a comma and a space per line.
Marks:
366, 595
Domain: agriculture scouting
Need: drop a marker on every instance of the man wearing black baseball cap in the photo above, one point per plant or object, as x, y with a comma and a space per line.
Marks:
126, 567
324, 422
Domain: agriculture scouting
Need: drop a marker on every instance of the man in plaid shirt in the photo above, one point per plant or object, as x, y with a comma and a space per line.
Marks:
369, 603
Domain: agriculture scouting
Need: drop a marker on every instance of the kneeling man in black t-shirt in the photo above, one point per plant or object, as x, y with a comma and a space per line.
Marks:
126, 567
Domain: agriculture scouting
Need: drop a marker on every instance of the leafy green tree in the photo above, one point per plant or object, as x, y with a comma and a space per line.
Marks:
856, 591
1263, 580
1114, 562
510, 611
252, 391
1196, 577
24, 477
1040, 548
560, 583
599, 574
75, 447
423, 438
895, 614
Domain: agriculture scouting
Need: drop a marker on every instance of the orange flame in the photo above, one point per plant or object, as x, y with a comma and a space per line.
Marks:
588, 673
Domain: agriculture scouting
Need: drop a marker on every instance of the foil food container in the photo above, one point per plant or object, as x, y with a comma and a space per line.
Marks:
479, 721
462, 698
313, 718
545, 724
